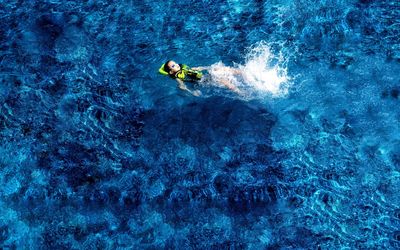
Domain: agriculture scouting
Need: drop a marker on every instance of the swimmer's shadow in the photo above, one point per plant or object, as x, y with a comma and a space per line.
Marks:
212, 123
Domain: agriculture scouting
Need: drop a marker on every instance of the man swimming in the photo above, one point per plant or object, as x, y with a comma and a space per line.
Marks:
182, 73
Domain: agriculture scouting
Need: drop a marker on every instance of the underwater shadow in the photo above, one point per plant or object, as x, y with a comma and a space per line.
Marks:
212, 126
209, 124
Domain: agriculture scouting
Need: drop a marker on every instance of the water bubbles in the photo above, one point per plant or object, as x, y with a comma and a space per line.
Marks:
263, 71
262, 74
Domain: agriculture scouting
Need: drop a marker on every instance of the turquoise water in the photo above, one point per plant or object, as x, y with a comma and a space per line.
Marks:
99, 151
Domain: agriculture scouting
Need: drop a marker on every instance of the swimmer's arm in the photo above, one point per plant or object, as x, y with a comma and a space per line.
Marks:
182, 86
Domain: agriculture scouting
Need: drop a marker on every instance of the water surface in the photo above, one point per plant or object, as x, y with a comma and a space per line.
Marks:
99, 151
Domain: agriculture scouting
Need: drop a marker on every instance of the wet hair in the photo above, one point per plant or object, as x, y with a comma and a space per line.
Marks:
166, 67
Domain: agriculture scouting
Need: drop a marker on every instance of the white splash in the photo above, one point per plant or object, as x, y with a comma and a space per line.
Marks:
264, 72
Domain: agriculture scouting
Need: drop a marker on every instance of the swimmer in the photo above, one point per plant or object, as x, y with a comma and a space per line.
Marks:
183, 73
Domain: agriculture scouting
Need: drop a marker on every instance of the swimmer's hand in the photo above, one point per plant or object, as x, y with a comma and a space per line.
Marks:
182, 86
196, 92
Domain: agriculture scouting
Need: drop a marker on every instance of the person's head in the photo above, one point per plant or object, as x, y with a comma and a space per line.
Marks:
171, 67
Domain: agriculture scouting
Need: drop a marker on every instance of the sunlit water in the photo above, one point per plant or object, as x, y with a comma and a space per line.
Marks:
99, 151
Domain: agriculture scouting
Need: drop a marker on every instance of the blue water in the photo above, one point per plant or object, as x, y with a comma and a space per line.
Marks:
99, 151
